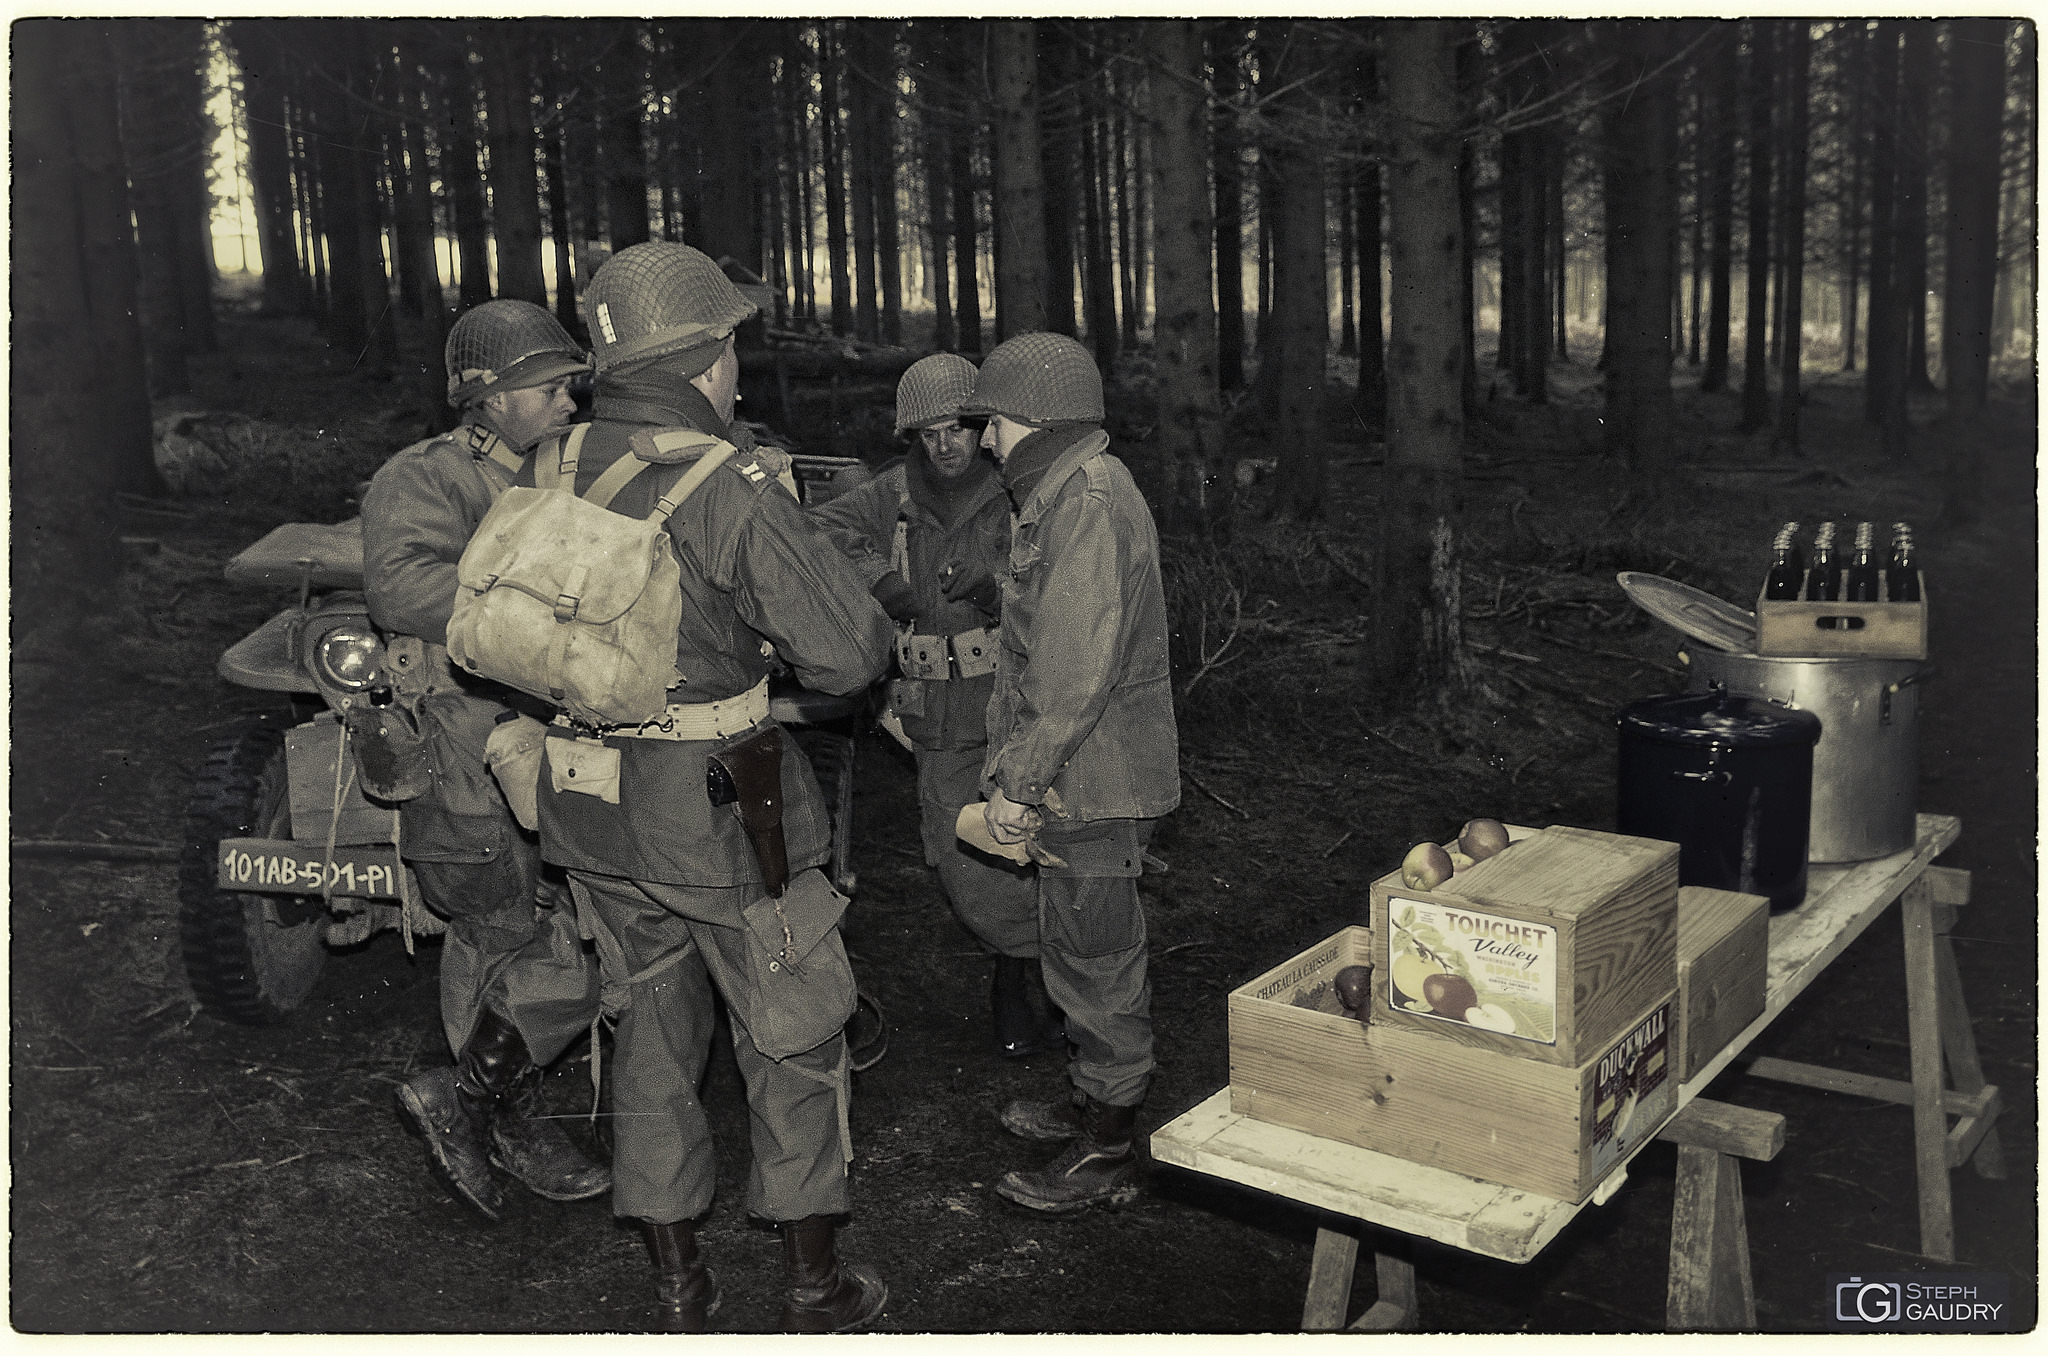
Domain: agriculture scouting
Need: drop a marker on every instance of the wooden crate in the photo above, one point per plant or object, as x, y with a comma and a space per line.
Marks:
1796, 629
1545, 1128
1568, 935
1723, 941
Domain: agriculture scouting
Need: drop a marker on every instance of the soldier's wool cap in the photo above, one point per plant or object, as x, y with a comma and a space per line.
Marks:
661, 298
507, 346
1038, 378
932, 389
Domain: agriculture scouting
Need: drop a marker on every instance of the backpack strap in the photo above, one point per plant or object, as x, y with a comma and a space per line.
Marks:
615, 478
686, 485
899, 549
557, 469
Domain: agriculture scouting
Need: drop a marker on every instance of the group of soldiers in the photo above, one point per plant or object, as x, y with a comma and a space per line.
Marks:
1017, 597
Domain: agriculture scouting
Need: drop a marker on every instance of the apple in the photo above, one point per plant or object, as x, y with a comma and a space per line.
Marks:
1425, 867
1481, 838
1354, 986
1411, 972
1451, 995
1490, 1017
1459, 861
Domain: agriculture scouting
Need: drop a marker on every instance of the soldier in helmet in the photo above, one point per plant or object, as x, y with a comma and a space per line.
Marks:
931, 534
517, 983
1082, 753
689, 898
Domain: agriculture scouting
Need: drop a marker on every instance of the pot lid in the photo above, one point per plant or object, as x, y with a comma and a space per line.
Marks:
1701, 719
1685, 608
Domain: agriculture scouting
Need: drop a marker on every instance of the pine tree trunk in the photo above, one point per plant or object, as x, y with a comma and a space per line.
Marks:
1097, 263
1915, 82
1227, 170
263, 86
966, 237
1060, 157
832, 161
799, 159
1756, 371
460, 175
1190, 419
1020, 186
1975, 140
78, 412
1417, 640
1372, 368
1297, 355
515, 185
1125, 177
1641, 202
728, 197
863, 161
1882, 369
1719, 57
153, 131
623, 75
555, 155
1798, 58
1855, 59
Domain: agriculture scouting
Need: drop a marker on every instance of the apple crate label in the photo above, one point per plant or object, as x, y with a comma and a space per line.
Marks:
1633, 1091
1503, 971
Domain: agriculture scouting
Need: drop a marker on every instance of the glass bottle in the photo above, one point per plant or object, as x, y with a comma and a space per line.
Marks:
1862, 582
1788, 565
1823, 579
1902, 567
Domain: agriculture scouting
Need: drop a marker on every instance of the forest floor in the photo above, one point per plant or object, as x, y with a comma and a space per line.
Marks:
175, 1173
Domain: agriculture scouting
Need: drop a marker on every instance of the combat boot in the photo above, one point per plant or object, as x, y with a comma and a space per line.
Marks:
823, 1295
1026, 1022
456, 1129
496, 1067
1101, 1167
1052, 1121
686, 1293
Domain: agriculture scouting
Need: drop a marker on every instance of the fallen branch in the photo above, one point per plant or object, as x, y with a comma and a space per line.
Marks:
1340, 842
1199, 786
110, 852
1388, 739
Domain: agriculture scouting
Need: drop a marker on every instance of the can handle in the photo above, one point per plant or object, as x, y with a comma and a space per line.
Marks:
1884, 701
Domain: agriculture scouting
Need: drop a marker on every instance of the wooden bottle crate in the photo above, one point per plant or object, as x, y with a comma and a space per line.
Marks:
1567, 936
1297, 1061
1797, 629
1724, 940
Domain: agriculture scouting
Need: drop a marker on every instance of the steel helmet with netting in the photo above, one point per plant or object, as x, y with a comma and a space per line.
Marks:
1038, 378
507, 346
660, 298
932, 389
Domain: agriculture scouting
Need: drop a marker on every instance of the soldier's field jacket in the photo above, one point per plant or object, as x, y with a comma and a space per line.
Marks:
949, 714
753, 569
1083, 700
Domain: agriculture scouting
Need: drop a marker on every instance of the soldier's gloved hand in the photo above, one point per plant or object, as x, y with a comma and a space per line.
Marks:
895, 595
960, 582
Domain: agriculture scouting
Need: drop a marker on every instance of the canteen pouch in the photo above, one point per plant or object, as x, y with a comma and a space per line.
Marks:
514, 753
390, 751
803, 991
585, 766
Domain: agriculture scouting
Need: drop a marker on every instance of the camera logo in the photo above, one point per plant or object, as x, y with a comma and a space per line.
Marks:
1872, 1301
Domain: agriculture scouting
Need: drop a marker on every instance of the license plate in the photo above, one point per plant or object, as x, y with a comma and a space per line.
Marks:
277, 866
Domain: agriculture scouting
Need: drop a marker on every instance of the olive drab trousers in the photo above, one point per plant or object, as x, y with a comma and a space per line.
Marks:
1092, 945
994, 899
674, 950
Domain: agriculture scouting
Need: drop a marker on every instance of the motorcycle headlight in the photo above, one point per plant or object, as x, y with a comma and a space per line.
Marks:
351, 658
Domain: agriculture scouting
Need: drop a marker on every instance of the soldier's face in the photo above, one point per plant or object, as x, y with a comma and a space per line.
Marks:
950, 448
525, 417
1002, 435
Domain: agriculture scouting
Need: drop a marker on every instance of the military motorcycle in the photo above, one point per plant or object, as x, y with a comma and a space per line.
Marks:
287, 859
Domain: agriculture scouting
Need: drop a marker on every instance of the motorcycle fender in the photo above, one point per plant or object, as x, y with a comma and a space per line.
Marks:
391, 752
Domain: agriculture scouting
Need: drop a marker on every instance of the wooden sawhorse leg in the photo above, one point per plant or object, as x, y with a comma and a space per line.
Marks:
1939, 1025
1710, 1287
1329, 1288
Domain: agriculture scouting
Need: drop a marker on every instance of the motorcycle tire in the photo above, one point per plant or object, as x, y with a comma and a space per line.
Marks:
251, 958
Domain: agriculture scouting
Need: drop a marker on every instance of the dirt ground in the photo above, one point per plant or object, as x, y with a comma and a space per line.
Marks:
175, 1173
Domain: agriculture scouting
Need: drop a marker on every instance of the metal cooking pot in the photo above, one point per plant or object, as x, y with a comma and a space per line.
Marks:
1866, 768
1728, 779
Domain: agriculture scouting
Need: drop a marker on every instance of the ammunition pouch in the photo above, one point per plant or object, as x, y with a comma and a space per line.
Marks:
747, 775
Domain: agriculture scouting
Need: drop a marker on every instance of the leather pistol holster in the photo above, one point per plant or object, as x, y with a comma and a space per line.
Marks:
747, 775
